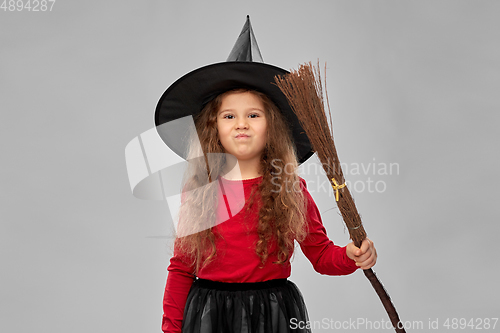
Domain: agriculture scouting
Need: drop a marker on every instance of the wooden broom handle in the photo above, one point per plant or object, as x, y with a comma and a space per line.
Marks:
386, 300
384, 297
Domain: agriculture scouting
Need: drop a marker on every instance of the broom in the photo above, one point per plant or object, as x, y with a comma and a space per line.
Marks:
304, 90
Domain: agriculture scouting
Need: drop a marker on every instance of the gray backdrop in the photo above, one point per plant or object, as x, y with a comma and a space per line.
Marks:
413, 87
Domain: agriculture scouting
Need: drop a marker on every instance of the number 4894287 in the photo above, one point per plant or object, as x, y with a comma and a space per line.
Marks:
474, 323
27, 5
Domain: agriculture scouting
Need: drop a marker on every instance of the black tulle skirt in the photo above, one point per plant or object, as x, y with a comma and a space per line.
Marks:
274, 306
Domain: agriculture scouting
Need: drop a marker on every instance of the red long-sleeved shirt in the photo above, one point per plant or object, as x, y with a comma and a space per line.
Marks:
236, 260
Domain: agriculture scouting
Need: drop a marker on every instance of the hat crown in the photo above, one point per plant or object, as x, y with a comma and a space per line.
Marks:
246, 48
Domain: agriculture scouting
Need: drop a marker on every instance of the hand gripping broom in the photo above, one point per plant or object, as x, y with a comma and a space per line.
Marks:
304, 90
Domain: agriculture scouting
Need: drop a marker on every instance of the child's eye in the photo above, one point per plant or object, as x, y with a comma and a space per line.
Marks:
253, 115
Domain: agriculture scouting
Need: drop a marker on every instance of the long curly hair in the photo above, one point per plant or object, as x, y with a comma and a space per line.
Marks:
282, 212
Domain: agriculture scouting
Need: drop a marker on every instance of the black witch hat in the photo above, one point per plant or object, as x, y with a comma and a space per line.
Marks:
244, 68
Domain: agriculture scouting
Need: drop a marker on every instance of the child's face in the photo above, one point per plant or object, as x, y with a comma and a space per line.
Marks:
242, 125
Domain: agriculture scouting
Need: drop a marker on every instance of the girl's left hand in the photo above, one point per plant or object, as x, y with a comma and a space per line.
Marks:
365, 256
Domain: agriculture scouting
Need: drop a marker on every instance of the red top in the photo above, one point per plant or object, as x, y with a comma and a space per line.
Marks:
236, 260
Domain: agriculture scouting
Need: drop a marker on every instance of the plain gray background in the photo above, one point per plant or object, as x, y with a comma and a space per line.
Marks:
413, 83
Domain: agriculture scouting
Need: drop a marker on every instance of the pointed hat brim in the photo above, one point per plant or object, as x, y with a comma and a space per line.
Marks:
189, 94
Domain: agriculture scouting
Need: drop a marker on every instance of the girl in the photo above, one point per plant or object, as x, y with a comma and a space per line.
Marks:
243, 207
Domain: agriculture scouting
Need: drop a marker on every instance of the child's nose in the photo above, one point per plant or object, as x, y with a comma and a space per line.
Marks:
242, 123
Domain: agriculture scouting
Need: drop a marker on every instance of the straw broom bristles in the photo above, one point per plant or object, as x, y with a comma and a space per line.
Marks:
303, 89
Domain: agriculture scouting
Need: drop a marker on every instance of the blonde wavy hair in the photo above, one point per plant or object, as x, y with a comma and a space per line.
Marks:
282, 213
